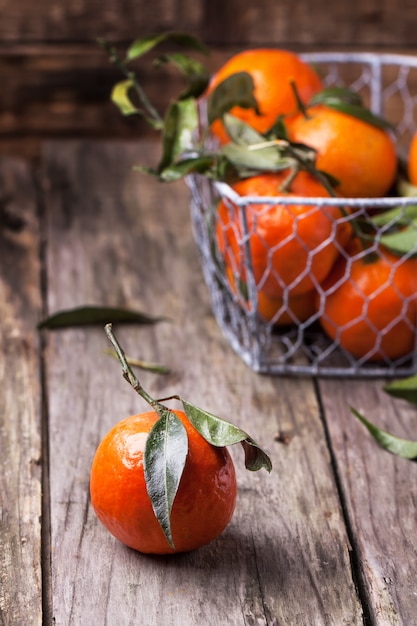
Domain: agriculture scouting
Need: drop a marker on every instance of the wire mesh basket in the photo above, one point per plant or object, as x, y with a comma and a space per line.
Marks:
284, 341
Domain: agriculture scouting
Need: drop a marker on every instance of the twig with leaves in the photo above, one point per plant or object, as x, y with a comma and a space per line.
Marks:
167, 443
405, 389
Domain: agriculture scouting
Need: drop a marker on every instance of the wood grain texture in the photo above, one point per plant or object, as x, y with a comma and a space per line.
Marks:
379, 492
117, 238
20, 421
58, 82
234, 22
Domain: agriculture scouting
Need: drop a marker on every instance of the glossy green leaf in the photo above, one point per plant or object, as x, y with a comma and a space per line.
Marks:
143, 45
266, 159
400, 447
196, 73
398, 216
240, 132
120, 95
235, 90
219, 432
180, 123
360, 113
406, 389
164, 461
336, 94
249, 149
402, 242
349, 102
93, 315
186, 166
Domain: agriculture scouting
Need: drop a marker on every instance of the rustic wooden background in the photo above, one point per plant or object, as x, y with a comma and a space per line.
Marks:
56, 81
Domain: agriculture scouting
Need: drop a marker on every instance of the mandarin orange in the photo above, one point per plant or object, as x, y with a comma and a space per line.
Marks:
361, 156
283, 311
292, 246
370, 305
272, 71
204, 502
412, 160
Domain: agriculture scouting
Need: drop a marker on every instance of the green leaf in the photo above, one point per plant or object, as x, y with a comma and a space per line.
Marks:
164, 461
402, 242
180, 169
196, 73
120, 95
398, 216
143, 45
401, 447
240, 132
249, 149
235, 90
347, 101
266, 159
336, 94
93, 315
121, 98
406, 389
361, 113
219, 432
180, 123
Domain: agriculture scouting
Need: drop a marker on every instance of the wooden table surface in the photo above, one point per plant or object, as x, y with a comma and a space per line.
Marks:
329, 537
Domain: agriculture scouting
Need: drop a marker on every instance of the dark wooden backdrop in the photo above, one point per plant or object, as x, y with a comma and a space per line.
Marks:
56, 81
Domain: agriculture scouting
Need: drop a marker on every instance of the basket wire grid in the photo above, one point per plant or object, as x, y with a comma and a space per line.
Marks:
386, 83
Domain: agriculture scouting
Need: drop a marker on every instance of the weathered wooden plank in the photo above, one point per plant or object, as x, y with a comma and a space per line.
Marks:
58, 82
234, 22
20, 415
117, 238
379, 493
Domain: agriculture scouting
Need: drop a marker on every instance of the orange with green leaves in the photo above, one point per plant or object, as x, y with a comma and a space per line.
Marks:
163, 481
272, 71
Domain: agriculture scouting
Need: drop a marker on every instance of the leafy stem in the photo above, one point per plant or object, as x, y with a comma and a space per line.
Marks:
152, 116
167, 443
128, 373
405, 389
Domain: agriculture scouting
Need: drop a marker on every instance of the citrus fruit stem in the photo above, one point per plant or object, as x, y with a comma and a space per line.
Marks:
300, 104
128, 373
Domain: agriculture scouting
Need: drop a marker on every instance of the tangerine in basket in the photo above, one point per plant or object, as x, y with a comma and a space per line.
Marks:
204, 502
283, 311
370, 305
292, 246
412, 160
360, 155
272, 71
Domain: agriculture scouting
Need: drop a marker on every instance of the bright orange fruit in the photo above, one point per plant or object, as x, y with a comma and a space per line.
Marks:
205, 499
283, 311
272, 71
361, 156
291, 246
412, 160
371, 309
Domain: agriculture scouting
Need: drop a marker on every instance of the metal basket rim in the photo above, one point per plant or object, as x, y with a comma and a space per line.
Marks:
380, 58
382, 202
